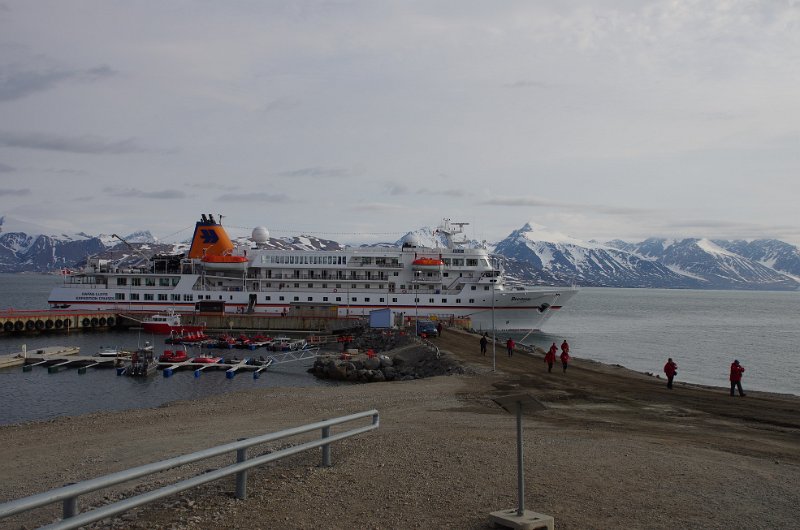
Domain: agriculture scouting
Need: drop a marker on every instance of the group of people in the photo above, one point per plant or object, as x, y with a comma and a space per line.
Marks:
671, 369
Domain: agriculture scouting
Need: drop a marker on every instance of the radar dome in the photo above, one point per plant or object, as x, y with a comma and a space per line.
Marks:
411, 239
260, 235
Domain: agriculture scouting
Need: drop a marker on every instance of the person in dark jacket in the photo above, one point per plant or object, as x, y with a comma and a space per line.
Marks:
736, 377
670, 369
564, 358
484, 342
550, 357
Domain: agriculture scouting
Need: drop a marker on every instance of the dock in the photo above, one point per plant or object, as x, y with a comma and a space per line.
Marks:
40, 355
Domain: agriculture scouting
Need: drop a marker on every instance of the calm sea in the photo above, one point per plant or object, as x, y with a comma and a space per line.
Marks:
703, 331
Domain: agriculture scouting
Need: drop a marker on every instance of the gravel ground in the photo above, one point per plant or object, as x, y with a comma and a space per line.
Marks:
612, 448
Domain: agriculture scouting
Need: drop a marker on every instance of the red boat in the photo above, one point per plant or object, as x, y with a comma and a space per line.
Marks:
168, 324
206, 360
176, 356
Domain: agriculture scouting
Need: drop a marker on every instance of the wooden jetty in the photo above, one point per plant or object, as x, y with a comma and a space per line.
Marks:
37, 356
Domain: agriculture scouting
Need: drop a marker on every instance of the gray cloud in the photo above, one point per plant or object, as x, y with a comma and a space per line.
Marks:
212, 186
316, 172
583, 208
527, 84
6, 168
16, 85
397, 189
255, 197
82, 144
15, 193
133, 192
284, 103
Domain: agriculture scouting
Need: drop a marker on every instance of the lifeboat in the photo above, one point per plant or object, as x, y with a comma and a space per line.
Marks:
427, 264
238, 263
205, 359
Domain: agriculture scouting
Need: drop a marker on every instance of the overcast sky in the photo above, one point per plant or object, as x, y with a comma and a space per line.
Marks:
598, 119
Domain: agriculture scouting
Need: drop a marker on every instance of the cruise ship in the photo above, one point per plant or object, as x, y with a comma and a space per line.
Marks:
445, 282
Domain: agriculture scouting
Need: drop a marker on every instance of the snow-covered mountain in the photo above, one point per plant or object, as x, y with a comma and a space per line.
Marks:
530, 255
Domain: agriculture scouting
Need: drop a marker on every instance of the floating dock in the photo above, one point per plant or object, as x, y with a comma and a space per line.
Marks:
38, 355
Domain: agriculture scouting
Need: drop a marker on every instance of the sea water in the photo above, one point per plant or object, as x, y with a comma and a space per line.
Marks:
703, 331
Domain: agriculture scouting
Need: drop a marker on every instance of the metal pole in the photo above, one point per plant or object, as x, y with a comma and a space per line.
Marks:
326, 449
494, 333
520, 476
241, 476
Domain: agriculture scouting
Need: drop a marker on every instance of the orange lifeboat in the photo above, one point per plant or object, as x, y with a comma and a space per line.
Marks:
427, 263
213, 262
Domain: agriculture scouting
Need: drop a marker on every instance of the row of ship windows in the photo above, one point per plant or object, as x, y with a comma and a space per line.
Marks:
190, 298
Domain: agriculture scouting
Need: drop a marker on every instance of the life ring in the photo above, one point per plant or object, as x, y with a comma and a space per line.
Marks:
86, 322
102, 321
67, 323
59, 323
39, 325
19, 325
30, 325
8, 326
110, 321
334, 290
48, 324
95, 322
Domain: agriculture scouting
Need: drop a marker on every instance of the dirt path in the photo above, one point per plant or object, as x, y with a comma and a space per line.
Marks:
613, 448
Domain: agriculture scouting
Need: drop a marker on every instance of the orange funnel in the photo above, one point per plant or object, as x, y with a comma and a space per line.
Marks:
209, 239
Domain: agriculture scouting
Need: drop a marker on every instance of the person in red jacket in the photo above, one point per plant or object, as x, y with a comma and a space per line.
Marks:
565, 347
670, 369
736, 377
510, 347
564, 358
550, 357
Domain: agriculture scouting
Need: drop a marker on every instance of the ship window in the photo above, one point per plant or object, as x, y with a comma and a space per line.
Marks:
310, 299
297, 286
446, 274
310, 285
382, 300
458, 300
324, 298
458, 262
430, 300
485, 287
472, 287
162, 297
122, 281
366, 299
267, 298
472, 263
338, 285
119, 296
296, 298
175, 297
416, 300
324, 285
394, 300
163, 282
366, 286
134, 296
353, 286
188, 297
471, 300
148, 296
338, 298
354, 299
136, 282
444, 300
280, 298
446, 261
220, 297
150, 282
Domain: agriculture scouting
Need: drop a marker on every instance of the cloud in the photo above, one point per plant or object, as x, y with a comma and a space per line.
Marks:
15, 193
316, 172
284, 103
83, 144
255, 197
19, 84
379, 207
6, 168
527, 84
133, 192
212, 186
583, 208
397, 189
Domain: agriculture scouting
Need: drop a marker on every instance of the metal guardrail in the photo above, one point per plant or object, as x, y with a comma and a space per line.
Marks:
68, 495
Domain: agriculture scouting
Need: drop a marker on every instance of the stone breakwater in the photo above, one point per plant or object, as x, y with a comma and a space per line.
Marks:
386, 357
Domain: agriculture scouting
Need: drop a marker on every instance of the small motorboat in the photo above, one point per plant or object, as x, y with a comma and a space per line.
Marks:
206, 359
173, 356
111, 352
168, 324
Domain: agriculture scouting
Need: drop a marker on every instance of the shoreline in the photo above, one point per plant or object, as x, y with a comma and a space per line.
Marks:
613, 447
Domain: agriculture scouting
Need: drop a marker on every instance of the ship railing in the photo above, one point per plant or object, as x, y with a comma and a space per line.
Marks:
68, 495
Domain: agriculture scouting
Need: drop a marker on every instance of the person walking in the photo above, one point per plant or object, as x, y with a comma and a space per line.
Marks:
550, 357
670, 369
736, 377
439, 329
484, 342
565, 347
510, 347
564, 358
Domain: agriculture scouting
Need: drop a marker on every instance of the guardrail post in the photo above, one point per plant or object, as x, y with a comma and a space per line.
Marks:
241, 476
70, 506
326, 449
